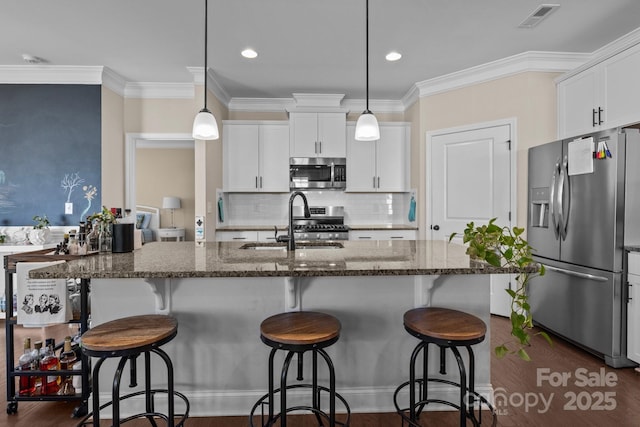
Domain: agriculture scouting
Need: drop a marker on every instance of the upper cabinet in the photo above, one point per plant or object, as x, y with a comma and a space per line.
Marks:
382, 165
317, 134
601, 96
256, 156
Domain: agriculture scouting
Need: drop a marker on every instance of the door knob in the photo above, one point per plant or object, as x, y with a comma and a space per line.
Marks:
435, 227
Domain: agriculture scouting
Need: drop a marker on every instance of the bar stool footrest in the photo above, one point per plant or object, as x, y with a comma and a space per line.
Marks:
88, 419
422, 403
263, 401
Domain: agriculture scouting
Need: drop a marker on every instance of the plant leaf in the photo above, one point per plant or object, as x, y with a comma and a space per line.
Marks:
501, 351
523, 355
546, 337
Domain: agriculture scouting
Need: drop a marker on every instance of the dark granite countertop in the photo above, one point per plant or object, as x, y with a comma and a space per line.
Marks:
229, 259
632, 248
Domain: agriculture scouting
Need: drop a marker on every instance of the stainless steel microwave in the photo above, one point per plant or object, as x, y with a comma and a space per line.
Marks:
306, 173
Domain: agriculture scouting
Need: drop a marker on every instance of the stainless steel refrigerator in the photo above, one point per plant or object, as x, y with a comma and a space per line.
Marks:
578, 222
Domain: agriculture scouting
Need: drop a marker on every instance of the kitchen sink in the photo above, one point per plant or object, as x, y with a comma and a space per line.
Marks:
300, 245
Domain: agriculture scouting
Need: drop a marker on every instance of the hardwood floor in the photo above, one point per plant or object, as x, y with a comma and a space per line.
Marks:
526, 393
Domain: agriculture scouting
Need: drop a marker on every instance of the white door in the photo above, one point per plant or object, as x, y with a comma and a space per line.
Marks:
471, 181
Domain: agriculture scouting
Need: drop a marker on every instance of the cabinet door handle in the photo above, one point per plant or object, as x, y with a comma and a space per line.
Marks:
600, 111
594, 123
378, 182
374, 182
239, 238
320, 145
364, 237
315, 149
260, 181
256, 182
397, 237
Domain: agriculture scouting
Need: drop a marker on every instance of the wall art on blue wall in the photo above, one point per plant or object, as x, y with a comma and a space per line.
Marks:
50, 153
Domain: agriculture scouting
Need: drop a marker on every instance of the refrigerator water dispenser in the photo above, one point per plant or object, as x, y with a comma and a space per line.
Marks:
540, 207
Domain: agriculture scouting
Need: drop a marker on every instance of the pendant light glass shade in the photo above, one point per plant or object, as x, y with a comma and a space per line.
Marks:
367, 127
205, 126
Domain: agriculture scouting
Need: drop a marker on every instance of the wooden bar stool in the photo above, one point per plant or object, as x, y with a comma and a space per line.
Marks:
448, 329
297, 333
127, 338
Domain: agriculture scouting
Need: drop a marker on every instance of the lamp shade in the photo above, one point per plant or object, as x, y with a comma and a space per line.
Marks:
205, 126
367, 127
170, 202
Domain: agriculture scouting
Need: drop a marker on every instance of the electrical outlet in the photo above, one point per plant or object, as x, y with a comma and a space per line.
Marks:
68, 208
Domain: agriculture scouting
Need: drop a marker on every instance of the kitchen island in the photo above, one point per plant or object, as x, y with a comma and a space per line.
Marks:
220, 293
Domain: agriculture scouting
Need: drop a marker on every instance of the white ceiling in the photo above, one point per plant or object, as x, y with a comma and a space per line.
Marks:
304, 46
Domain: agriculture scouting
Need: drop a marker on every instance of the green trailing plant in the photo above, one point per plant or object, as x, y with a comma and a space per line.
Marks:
505, 247
105, 216
41, 222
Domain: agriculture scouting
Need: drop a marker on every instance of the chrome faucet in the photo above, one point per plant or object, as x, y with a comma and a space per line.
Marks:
291, 243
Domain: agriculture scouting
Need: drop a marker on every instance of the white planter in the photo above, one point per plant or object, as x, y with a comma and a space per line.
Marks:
39, 236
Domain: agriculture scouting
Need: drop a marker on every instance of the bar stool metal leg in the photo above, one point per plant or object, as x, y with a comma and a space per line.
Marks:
96, 397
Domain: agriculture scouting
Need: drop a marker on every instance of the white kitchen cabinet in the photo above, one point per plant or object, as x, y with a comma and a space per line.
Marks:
382, 165
317, 134
270, 236
600, 97
236, 236
633, 308
382, 235
256, 156
248, 236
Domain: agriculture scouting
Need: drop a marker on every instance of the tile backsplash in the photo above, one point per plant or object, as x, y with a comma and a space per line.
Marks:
273, 208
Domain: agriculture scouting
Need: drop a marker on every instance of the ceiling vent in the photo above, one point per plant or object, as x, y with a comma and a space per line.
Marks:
542, 12
31, 59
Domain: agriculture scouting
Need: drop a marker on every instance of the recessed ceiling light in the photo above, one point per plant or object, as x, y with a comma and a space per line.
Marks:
249, 53
393, 56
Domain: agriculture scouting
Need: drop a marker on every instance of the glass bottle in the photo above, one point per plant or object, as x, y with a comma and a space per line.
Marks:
50, 363
105, 237
26, 387
36, 355
92, 238
67, 360
73, 244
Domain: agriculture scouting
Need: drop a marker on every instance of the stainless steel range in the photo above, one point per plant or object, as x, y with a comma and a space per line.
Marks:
325, 223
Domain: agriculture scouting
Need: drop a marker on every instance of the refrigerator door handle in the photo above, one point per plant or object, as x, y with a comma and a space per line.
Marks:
553, 210
576, 274
563, 211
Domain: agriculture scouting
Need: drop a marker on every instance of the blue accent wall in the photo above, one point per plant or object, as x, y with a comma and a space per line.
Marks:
50, 152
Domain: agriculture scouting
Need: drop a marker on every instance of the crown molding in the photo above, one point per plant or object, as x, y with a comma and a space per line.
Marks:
153, 90
375, 105
50, 74
523, 62
114, 81
290, 105
212, 84
272, 105
607, 51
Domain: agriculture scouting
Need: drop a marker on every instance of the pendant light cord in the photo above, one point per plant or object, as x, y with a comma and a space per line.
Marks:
206, 22
367, 55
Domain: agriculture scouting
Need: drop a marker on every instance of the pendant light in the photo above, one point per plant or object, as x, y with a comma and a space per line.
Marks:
205, 126
367, 126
